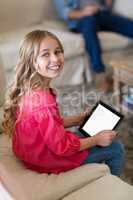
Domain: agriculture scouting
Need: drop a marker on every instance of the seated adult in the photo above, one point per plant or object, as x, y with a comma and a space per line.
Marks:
88, 17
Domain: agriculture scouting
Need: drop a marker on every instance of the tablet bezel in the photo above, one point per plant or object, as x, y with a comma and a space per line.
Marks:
93, 109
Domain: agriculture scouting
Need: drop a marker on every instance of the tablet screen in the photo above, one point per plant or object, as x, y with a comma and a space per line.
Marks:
102, 117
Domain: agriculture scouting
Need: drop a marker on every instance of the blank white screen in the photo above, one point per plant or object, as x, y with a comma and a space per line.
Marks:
101, 119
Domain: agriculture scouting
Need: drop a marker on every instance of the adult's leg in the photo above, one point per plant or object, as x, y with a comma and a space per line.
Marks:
115, 23
89, 27
112, 155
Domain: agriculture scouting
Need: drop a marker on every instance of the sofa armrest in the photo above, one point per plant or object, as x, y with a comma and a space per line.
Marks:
108, 187
20, 183
20, 180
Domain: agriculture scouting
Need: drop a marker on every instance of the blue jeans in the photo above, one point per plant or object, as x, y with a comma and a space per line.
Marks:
112, 155
103, 21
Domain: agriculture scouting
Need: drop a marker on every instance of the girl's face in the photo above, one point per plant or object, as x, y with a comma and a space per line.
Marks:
50, 60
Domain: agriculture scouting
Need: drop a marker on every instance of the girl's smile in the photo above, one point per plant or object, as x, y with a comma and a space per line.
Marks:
50, 61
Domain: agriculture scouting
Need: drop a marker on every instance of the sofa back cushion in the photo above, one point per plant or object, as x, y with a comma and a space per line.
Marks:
124, 7
15, 14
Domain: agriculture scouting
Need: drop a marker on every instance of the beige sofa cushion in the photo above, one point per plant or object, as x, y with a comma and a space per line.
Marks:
108, 187
15, 14
73, 43
113, 42
35, 186
124, 7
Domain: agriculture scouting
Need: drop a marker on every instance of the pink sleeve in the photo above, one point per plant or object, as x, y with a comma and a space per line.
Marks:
57, 139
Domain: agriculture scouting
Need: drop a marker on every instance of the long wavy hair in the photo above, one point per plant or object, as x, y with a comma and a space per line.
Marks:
26, 77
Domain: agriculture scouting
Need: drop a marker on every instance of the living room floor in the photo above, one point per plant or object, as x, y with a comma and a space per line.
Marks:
74, 99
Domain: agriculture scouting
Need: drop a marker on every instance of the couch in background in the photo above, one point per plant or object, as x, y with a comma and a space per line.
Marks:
39, 15
18, 18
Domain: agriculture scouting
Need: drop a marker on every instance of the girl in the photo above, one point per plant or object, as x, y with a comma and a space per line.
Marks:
32, 118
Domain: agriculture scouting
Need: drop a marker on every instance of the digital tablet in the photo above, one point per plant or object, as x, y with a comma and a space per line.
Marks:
102, 117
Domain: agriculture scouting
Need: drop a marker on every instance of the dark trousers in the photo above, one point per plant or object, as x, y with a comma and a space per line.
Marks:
103, 21
112, 155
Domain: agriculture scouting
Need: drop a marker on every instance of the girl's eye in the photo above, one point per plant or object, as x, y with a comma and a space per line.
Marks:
58, 52
45, 54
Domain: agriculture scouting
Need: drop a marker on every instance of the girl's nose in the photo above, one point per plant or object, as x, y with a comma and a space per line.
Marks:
54, 58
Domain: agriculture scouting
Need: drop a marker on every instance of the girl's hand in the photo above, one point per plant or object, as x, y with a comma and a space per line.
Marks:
84, 114
104, 138
87, 110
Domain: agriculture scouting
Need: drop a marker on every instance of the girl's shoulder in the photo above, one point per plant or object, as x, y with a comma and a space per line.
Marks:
37, 105
38, 99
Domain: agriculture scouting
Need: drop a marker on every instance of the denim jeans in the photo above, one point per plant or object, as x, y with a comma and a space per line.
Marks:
103, 21
112, 155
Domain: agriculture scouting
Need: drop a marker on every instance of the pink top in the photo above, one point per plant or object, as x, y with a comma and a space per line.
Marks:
40, 139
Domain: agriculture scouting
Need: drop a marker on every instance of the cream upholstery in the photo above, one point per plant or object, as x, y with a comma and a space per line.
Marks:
124, 8
86, 181
107, 187
17, 14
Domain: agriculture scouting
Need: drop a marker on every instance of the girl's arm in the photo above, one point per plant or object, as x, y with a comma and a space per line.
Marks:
76, 120
103, 138
73, 120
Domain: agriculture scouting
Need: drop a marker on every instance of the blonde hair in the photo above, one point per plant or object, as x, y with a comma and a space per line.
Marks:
26, 76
